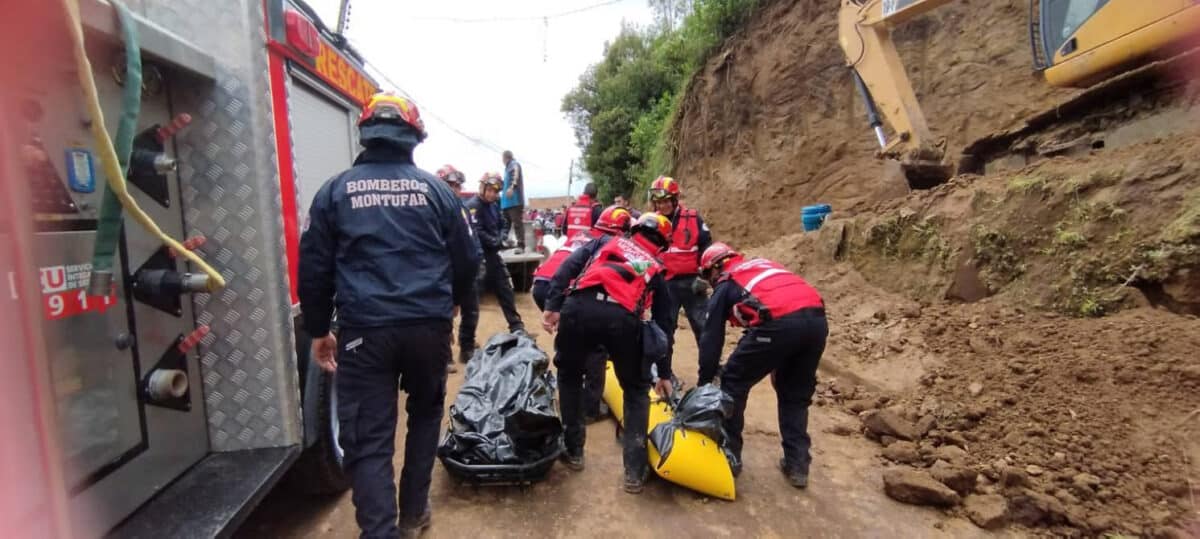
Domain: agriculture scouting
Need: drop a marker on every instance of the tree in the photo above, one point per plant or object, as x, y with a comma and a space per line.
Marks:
670, 13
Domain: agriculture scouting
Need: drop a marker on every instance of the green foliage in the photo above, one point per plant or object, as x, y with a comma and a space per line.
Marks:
623, 107
1027, 184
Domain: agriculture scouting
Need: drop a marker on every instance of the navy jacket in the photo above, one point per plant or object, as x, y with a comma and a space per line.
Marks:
388, 242
572, 267
486, 220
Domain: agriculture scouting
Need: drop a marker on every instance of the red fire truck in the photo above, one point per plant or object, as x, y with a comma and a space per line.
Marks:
149, 396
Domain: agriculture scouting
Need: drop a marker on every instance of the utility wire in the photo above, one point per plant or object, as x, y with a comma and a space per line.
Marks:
520, 18
477, 141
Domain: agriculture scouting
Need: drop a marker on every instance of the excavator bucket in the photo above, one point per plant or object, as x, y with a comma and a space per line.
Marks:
925, 174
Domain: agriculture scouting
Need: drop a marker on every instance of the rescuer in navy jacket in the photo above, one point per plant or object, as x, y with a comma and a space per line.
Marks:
485, 218
390, 245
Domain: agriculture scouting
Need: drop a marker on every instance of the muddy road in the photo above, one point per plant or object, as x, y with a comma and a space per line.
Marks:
844, 499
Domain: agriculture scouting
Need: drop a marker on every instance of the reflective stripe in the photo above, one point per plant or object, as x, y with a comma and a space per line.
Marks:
678, 250
758, 278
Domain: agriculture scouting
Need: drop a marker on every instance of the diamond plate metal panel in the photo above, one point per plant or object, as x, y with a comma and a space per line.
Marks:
231, 195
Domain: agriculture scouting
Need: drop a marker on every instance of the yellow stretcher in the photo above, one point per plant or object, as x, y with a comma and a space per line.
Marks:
695, 462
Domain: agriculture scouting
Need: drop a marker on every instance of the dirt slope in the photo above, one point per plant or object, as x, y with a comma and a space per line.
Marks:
773, 122
1034, 329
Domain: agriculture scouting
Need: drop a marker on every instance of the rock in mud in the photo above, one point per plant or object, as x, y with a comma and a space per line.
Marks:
926, 424
951, 453
1100, 523
888, 422
1033, 508
961, 479
902, 452
861, 405
841, 428
1086, 481
917, 488
1013, 477
988, 511
975, 389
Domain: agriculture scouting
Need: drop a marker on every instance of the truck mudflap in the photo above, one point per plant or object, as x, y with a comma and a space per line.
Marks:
213, 497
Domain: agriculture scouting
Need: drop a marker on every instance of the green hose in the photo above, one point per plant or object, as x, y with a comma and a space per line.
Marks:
108, 229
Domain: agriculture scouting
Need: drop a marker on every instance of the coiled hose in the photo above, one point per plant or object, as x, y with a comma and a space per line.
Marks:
111, 164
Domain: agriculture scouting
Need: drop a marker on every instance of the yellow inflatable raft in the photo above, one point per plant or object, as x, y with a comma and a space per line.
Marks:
695, 462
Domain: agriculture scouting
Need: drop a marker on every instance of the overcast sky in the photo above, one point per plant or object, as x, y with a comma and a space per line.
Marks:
499, 81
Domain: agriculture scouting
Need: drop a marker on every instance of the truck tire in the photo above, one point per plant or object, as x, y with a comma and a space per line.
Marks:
319, 468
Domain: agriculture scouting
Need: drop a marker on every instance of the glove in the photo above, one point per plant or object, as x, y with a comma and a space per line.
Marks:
700, 287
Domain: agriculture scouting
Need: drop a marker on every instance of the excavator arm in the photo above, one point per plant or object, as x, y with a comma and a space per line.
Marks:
864, 33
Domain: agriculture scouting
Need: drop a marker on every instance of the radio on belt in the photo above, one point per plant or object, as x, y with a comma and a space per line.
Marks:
81, 170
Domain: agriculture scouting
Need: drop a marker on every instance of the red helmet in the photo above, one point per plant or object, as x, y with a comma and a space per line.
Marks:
655, 227
389, 107
712, 258
451, 175
664, 187
614, 220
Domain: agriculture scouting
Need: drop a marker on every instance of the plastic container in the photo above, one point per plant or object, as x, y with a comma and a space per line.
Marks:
814, 216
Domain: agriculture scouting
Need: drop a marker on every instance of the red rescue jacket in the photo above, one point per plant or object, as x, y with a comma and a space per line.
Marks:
683, 256
771, 292
623, 268
579, 216
546, 270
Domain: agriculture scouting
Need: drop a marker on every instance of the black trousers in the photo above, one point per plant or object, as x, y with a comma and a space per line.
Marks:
586, 324
373, 365
468, 318
791, 348
593, 374
514, 219
494, 277
693, 305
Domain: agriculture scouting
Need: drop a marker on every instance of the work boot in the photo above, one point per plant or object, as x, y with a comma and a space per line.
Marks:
794, 476
572, 460
520, 331
735, 464
635, 481
465, 353
413, 529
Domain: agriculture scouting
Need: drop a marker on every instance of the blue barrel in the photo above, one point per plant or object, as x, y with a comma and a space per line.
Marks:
814, 216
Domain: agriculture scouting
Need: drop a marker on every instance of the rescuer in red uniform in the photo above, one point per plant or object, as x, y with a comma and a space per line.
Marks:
612, 221
581, 214
689, 238
785, 336
597, 298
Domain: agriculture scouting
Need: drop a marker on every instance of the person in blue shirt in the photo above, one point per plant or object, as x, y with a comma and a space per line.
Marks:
390, 247
512, 203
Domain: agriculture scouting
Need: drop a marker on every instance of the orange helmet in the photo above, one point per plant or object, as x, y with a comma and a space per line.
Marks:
614, 220
712, 258
389, 107
654, 227
491, 179
664, 187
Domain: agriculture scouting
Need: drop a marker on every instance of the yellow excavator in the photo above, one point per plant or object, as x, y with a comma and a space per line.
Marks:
1076, 43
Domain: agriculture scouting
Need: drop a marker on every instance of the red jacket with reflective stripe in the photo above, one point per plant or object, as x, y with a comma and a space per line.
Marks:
546, 269
579, 216
623, 268
771, 292
683, 256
